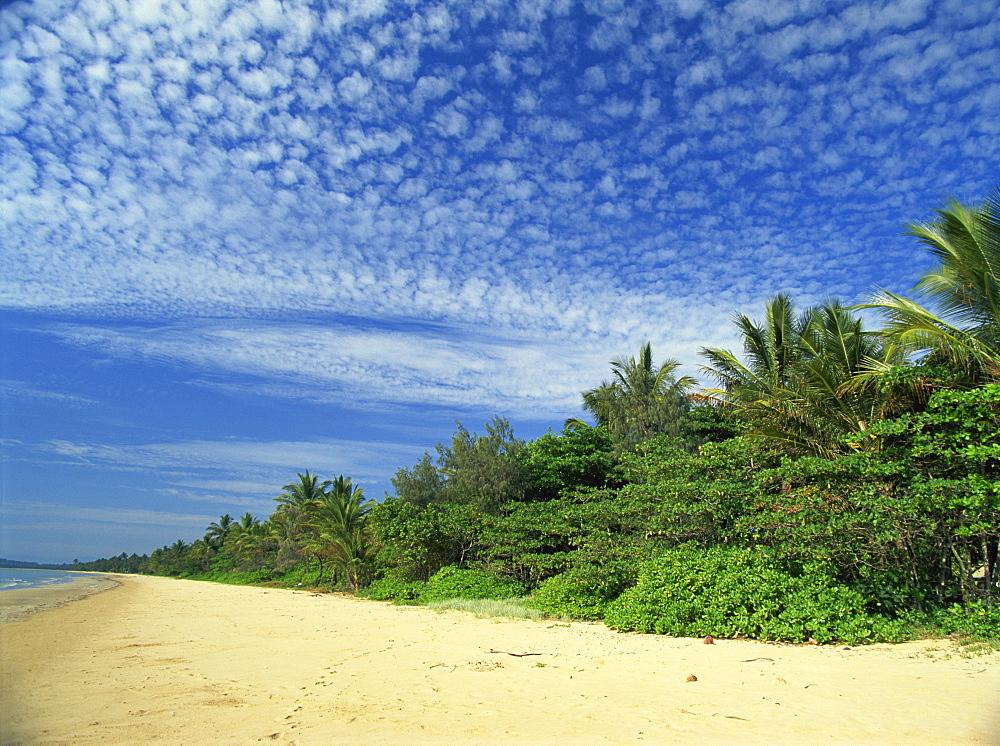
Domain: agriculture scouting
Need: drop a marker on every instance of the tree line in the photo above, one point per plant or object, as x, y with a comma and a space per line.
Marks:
837, 483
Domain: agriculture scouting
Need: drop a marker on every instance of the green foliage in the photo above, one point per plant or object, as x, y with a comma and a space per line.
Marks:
975, 619
218, 532
582, 592
577, 458
394, 586
793, 388
690, 592
420, 541
534, 541
955, 449
964, 287
124, 563
708, 423
303, 492
853, 514
484, 471
337, 520
529, 543
420, 485
454, 582
696, 497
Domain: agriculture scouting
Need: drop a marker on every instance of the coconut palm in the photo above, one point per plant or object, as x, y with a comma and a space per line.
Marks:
247, 522
341, 504
772, 349
295, 504
300, 494
641, 400
218, 531
174, 556
793, 387
338, 520
964, 287
253, 539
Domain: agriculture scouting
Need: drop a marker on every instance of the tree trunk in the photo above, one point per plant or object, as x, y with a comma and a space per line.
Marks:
990, 545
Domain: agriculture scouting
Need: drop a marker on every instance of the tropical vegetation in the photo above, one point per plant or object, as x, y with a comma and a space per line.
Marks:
837, 484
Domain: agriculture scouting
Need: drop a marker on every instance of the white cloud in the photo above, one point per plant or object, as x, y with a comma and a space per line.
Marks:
354, 87
190, 461
594, 79
400, 68
266, 159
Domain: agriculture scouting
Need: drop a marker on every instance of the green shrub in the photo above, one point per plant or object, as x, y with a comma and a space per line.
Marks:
394, 586
974, 619
453, 582
690, 592
579, 593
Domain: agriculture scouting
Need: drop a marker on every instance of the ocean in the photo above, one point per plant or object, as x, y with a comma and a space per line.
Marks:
18, 579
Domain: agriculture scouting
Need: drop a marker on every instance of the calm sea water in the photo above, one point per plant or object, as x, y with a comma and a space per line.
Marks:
14, 580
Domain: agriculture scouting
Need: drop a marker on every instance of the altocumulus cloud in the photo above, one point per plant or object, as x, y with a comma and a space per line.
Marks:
468, 206
207, 158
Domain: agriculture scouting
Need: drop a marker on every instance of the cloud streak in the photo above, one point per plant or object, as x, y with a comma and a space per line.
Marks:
366, 367
212, 465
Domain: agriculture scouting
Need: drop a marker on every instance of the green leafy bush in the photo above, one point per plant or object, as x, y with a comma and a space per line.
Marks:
582, 592
973, 619
690, 592
394, 586
453, 582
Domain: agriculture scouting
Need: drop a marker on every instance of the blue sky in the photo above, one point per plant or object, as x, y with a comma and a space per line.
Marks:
242, 240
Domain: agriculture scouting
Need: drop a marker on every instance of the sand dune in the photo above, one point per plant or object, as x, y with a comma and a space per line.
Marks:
157, 659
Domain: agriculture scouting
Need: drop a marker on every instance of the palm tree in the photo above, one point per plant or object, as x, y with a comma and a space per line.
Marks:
342, 505
795, 384
253, 538
176, 554
218, 531
964, 286
300, 494
641, 399
338, 518
247, 522
772, 350
295, 503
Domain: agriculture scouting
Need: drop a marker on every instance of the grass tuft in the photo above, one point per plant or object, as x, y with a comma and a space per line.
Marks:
512, 608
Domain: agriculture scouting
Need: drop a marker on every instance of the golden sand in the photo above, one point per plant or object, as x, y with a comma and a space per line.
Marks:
176, 661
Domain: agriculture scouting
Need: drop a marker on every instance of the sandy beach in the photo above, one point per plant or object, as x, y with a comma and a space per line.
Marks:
156, 659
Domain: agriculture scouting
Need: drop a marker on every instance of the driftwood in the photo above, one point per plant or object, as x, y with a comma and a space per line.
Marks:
516, 655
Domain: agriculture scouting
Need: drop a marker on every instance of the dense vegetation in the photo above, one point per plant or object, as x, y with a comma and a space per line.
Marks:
839, 484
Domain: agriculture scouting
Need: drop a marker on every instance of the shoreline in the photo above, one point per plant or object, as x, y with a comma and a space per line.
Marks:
161, 659
17, 604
